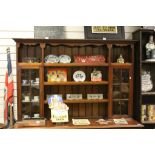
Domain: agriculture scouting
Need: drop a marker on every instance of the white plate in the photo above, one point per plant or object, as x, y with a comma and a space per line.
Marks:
51, 59
64, 59
79, 76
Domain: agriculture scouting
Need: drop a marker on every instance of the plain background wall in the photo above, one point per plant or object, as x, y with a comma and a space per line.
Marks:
9, 32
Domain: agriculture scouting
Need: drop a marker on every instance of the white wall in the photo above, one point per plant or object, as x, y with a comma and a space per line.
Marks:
9, 32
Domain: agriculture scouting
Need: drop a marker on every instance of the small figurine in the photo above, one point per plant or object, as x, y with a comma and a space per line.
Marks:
120, 59
150, 48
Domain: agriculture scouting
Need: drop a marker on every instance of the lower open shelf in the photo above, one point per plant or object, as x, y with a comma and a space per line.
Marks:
148, 122
93, 124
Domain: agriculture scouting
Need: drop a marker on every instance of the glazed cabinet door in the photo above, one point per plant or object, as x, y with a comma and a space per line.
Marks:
29, 94
121, 92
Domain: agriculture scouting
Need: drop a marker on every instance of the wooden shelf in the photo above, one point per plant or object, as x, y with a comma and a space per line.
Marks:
21, 64
83, 101
122, 83
75, 64
93, 124
148, 122
25, 85
76, 83
122, 65
148, 62
148, 93
30, 101
120, 99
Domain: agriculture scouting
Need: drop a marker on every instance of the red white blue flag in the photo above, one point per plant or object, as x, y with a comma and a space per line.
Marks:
9, 87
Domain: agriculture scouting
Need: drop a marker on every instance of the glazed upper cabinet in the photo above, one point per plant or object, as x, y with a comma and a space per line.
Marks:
109, 97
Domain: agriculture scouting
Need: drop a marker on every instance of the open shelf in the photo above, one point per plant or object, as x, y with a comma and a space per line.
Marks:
93, 124
77, 83
120, 99
148, 62
148, 93
83, 101
122, 65
22, 64
75, 64
148, 122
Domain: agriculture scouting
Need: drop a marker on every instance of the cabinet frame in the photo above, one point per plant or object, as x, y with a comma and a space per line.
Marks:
109, 65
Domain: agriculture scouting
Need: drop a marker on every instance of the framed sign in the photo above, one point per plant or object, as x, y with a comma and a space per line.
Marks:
104, 32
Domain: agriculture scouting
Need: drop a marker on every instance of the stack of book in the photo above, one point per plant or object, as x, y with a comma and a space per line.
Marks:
148, 113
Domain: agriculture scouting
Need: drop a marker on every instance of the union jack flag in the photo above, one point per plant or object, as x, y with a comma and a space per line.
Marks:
9, 87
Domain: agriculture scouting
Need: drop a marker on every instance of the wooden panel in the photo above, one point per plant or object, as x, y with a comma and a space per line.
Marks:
75, 89
95, 88
82, 107
89, 51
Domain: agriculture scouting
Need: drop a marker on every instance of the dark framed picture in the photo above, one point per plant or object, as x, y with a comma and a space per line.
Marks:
104, 32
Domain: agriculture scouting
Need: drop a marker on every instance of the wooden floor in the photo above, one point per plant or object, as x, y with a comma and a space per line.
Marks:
94, 125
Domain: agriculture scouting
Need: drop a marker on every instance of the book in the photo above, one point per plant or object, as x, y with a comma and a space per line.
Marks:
80, 122
120, 121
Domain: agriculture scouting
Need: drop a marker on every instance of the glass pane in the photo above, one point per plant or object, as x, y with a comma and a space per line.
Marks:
116, 75
26, 110
35, 109
116, 108
116, 91
124, 91
120, 107
124, 107
125, 75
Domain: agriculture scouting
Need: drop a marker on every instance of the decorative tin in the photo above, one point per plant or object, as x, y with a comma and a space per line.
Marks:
96, 75
57, 75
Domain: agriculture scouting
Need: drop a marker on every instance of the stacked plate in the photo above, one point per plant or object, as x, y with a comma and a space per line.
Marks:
57, 59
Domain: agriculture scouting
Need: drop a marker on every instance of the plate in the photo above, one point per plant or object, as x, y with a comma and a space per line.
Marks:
64, 59
79, 76
51, 59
